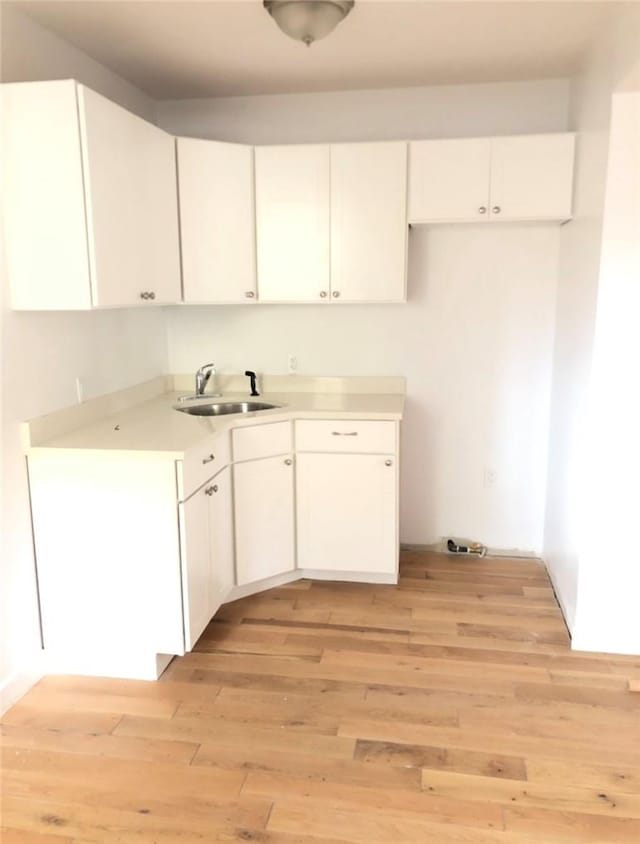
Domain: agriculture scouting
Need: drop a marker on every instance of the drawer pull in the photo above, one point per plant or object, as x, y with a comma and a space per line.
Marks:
288, 461
208, 459
344, 433
209, 490
388, 462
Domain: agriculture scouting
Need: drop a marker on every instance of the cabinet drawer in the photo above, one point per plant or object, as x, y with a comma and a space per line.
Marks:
202, 462
345, 435
262, 441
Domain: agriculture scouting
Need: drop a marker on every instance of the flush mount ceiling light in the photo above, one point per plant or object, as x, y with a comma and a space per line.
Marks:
308, 20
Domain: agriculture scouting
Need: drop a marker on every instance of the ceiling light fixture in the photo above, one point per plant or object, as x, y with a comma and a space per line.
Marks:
308, 20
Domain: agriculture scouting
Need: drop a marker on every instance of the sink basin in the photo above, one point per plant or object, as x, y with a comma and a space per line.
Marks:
223, 408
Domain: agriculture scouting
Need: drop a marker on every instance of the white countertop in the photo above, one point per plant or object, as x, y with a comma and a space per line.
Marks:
154, 427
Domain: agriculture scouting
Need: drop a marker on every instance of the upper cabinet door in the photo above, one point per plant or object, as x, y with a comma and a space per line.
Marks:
532, 177
292, 222
43, 197
217, 222
369, 222
132, 205
449, 180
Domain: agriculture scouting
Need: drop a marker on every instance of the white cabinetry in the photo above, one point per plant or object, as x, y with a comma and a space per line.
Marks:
132, 207
107, 549
347, 497
532, 177
526, 177
217, 221
449, 180
207, 553
292, 223
263, 501
369, 222
90, 201
331, 222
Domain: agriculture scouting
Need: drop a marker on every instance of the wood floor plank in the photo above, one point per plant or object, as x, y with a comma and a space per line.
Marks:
545, 795
572, 827
211, 730
349, 796
449, 708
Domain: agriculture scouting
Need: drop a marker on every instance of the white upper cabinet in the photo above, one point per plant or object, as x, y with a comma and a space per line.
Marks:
43, 197
132, 207
90, 201
532, 177
527, 177
449, 180
217, 221
292, 223
369, 222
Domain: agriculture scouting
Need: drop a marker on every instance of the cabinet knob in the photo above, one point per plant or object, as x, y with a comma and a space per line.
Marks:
152, 295
388, 462
215, 487
208, 458
209, 490
482, 209
336, 294
144, 295
249, 294
288, 461
496, 209
323, 294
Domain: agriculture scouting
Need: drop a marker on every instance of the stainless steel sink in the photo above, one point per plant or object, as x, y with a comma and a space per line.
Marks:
222, 408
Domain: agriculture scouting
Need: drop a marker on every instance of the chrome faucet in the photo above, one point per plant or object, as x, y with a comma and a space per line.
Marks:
202, 376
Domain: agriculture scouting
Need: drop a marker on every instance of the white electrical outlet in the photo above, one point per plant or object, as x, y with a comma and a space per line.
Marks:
490, 476
292, 364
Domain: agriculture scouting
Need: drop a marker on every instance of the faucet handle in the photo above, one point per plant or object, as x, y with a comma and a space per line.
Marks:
252, 380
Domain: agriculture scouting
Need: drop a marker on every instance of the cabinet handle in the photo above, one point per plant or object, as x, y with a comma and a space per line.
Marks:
323, 294
208, 459
336, 294
288, 461
482, 209
388, 462
152, 295
344, 433
209, 490
249, 294
496, 209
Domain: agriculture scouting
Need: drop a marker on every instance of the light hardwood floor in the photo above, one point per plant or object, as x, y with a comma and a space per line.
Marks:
446, 709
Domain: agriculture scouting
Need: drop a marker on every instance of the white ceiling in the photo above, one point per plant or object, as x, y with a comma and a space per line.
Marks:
201, 49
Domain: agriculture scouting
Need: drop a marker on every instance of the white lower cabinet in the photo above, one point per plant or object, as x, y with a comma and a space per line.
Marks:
264, 508
347, 512
136, 553
206, 538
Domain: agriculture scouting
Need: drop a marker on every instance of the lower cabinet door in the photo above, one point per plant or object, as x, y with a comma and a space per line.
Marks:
197, 597
221, 538
206, 526
347, 512
264, 518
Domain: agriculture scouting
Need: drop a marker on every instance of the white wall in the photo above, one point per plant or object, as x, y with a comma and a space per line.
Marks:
446, 111
611, 64
43, 353
31, 53
609, 577
475, 339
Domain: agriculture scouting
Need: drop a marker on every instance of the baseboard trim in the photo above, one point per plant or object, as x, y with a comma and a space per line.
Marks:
441, 548
16, 686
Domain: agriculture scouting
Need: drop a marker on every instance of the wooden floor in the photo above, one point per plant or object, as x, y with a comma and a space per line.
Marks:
447, 709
